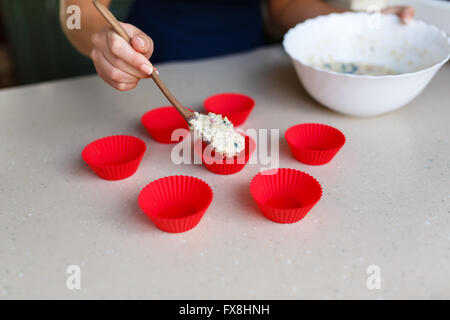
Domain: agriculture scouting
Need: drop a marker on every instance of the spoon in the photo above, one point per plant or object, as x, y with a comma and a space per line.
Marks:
104, 11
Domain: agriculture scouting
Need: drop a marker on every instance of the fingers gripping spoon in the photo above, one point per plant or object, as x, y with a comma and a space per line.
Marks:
104, 11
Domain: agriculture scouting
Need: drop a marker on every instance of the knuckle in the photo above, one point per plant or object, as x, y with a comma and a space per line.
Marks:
115, 47
110, 35
127, 26
117, 62
115, 44
95, 39
115, 75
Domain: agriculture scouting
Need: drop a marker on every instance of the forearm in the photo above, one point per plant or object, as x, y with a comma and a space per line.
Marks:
91, 22
287, 13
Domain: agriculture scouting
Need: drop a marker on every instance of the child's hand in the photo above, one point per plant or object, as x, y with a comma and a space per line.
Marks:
118, 63
405, 13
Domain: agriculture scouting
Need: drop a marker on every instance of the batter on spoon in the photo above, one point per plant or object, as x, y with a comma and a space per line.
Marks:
219, 132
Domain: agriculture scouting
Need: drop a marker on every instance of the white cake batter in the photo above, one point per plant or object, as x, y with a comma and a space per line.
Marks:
219, 132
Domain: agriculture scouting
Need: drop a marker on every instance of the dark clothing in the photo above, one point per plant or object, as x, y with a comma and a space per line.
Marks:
193, 29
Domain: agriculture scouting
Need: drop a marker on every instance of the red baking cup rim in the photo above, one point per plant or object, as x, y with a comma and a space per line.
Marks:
235, 106
161, 122
285, 195
314, 143
121, 155
175, 203
220, 164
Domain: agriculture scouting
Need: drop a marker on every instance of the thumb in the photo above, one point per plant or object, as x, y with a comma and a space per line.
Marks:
142, 44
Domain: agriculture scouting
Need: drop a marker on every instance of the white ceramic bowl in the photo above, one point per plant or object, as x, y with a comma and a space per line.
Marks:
416, 51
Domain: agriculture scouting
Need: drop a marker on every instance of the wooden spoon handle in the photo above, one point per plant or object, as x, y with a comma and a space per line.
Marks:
186, 113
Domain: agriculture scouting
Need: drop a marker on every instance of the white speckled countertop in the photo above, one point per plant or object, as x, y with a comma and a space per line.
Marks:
386, 196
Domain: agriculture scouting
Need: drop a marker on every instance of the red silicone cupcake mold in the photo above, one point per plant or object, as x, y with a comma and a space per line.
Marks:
219, 164
285, 195
161, 123
176, 203
235, 106
114, 157
314, 143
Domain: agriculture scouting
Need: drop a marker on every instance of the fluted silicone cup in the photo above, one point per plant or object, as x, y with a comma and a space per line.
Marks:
114, 157
176, 203
314, 143
285, 195
235, 106
219, 164
161, 122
